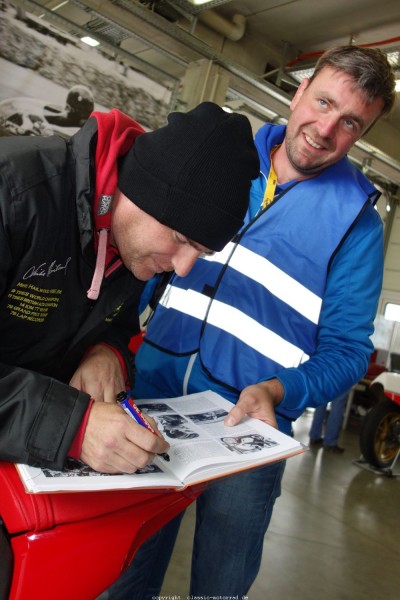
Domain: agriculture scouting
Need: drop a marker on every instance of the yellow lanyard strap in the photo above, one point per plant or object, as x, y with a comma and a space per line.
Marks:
271, 183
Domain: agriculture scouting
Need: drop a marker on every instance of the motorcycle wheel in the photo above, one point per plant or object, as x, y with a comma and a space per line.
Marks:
380, 434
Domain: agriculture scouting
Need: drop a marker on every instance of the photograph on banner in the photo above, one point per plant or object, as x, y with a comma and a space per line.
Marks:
52, 81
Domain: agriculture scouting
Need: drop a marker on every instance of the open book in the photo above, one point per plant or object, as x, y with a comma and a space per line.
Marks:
201, 448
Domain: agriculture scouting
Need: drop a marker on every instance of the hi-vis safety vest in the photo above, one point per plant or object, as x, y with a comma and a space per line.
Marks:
253, 309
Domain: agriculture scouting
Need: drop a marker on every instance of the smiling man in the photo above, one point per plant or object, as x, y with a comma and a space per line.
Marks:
84, 223
278, 321
325, 122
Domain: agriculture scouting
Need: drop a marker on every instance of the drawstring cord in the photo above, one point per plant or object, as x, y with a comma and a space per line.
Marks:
94, 290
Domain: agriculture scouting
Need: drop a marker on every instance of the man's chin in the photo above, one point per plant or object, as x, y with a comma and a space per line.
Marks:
143, 274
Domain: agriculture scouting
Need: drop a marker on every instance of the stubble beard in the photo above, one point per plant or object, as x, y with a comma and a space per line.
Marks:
303, 165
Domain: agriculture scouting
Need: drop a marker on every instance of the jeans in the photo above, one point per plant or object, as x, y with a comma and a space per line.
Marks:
333, 422
232, 517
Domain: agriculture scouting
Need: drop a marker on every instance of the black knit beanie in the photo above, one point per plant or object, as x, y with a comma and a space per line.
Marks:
194, 174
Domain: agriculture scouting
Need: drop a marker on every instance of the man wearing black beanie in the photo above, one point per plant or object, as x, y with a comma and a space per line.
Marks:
84, 223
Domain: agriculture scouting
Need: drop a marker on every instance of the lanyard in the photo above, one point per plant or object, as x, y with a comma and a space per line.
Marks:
271, 183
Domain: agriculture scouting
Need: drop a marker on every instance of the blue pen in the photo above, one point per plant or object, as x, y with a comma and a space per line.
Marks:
133, 411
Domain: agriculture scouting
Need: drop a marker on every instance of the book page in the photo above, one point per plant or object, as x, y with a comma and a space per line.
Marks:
78, 476
202, 446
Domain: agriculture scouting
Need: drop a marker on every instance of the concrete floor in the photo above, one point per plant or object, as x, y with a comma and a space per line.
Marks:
334, 534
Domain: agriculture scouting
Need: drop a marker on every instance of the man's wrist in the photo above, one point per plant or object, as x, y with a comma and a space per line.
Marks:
275, 389
76, 446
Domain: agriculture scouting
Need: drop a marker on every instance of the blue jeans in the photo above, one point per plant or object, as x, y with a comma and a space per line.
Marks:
232, 517
333, 422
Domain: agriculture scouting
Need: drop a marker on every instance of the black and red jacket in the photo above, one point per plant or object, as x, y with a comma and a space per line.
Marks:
48, 256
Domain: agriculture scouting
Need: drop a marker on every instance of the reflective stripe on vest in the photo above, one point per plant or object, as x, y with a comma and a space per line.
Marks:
234, 322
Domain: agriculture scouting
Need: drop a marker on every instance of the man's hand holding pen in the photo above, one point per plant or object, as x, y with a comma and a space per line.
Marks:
114, 443
129, 406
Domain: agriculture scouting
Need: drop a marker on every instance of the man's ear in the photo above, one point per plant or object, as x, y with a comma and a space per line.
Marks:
299, 93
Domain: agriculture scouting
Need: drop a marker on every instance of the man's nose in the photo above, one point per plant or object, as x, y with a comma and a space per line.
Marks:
184, 259
327, 126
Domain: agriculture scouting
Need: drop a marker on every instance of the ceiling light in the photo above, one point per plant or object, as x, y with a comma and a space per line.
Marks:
90, 41
200, 2
393, 57
302, 74
194, 7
